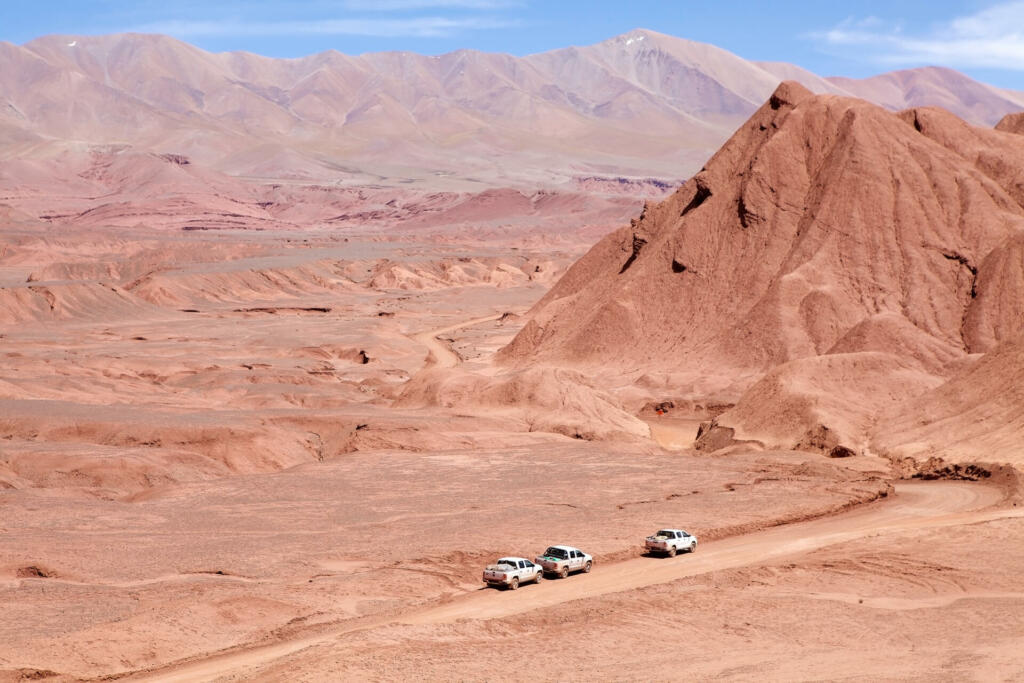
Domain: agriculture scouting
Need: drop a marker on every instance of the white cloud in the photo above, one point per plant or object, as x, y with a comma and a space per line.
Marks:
991, 38
419, 27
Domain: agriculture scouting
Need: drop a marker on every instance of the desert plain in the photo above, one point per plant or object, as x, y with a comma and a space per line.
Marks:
256, 426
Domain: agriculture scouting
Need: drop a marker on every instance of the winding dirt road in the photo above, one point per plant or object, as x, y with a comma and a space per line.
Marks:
443, 356
915, 505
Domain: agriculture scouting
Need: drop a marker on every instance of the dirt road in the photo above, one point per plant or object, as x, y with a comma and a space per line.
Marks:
916, 505
443, 355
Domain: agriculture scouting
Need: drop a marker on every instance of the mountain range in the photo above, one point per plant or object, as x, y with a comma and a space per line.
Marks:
638, 105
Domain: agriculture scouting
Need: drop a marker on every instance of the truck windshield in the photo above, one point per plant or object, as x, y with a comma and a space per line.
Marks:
507, 561
666, 532
556, 552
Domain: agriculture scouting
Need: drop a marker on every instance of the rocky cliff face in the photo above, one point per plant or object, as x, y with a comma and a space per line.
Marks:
818, 222
832, 257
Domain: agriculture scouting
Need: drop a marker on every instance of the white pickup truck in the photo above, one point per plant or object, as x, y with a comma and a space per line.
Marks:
562, 559
670, 542
511, 571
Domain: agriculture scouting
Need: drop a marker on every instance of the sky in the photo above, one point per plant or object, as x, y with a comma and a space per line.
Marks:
984, 39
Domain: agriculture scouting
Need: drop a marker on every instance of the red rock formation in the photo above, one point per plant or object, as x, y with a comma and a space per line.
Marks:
850, 253
821, 214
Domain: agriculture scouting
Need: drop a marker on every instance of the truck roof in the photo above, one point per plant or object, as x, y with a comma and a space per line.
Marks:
564, 547
665, 528
510, 557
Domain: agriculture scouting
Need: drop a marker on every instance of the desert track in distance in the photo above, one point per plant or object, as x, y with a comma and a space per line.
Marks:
440, 352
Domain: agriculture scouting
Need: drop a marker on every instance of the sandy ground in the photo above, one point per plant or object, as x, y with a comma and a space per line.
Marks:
203, 475
654, 603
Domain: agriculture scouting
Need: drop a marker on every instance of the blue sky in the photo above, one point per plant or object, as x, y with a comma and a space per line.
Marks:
982, 38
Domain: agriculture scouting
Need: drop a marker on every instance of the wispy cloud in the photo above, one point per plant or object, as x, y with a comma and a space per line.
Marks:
402, 5
418, 27
991, 38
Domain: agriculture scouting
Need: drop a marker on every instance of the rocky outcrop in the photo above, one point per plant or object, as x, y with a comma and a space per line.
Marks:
832, 260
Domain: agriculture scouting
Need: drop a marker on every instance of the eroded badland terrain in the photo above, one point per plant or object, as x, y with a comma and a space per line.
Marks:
255, 426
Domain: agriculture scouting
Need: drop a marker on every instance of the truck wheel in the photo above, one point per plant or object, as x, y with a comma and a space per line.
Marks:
693, 547
540, 575
514, 583
587, 567
672, 551
563, 572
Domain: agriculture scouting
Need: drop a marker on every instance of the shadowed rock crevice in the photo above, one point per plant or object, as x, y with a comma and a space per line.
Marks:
963, 261
176, 159
955, 472
917, 123
34, 572
700, 196
638, 244
841, 452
